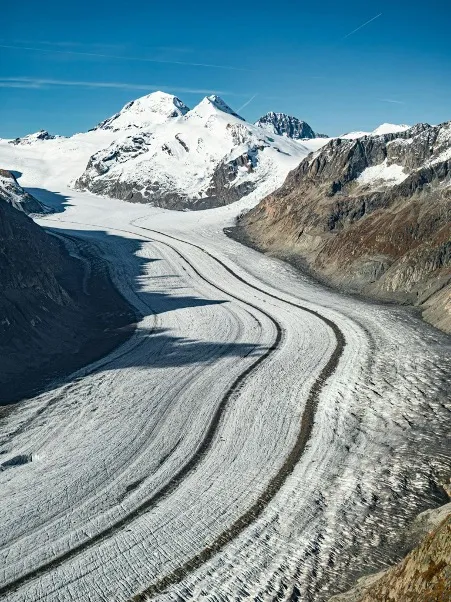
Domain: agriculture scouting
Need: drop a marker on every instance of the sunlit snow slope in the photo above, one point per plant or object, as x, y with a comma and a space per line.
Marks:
259, 437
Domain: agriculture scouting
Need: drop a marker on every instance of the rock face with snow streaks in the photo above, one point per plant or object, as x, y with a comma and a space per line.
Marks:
286, 125
371, 215
15, 195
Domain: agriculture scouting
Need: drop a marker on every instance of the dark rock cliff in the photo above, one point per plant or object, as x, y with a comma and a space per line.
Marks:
48, 324
286, 125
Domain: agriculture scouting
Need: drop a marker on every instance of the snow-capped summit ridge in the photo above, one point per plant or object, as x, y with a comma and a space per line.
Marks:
384, 128
149, 110
212, 105
390, 128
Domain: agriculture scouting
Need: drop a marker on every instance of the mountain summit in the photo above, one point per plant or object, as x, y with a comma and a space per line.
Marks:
147, 111
384, 128
211, 105
285, 125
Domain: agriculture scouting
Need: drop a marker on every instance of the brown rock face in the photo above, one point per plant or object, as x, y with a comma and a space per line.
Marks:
423, 576
371, 215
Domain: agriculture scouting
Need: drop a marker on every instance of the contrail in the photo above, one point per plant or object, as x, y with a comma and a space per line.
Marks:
31, 82
246, 103
395, 102
360, 26
123, 58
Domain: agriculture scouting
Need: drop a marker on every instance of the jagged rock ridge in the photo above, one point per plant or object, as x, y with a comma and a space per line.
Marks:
285, 125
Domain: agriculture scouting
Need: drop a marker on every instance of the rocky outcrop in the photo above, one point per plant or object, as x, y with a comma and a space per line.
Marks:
49, 322
370, 215
31, 138
15, 195
224, 187
423, 576
286, 125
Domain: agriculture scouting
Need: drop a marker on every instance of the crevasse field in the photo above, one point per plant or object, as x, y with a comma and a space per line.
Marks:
259, 437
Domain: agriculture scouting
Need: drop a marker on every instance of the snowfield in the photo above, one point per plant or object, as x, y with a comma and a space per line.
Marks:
259, 437
384, 128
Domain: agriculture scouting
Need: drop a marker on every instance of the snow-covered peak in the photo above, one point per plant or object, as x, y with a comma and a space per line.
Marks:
212, 105
384, 128
389, 128
285, 125
147, 111
35, 137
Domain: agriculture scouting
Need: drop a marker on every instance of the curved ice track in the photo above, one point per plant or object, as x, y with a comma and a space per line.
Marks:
122, 433
183, 472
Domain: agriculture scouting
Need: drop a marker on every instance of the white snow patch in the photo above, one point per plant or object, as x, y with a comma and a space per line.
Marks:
389, 128
384, 128
391, 174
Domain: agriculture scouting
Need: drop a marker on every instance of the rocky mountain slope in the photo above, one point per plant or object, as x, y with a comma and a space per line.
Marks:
15, 195
370, 215
48, 323
177, 158
282, 124
424, 575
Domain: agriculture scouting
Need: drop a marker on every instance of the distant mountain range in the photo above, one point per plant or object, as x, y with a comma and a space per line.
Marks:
384, 128
367, 211
181, 158
157, 150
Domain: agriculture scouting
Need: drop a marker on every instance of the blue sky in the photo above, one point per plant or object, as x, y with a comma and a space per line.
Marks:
64, 67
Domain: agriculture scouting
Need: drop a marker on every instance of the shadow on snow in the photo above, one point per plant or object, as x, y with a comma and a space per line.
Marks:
146, 293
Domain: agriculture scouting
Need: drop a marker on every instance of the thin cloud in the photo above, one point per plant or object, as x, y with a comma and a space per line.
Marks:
30, 82
395, 102
121, 57
247, 103
18, 84
360, 26
97, 46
